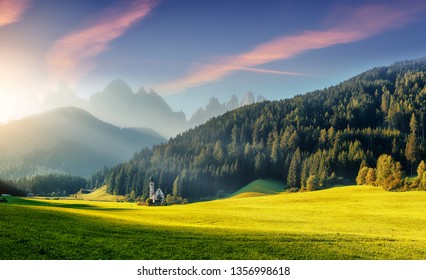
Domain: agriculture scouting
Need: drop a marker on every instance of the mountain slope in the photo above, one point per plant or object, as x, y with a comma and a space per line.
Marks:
306, 141
68, 140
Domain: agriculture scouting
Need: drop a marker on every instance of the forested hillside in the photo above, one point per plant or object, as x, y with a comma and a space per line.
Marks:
306, 141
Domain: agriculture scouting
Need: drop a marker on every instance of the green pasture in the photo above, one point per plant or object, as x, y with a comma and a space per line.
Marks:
350, 222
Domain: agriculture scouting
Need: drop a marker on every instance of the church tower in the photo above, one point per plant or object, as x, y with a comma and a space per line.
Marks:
151, 187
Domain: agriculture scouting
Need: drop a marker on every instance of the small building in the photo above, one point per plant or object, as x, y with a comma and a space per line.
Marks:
157, 196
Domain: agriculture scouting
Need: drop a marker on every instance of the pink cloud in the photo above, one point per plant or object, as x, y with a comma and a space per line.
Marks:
12, 10
359, 24
69, 58
268, 71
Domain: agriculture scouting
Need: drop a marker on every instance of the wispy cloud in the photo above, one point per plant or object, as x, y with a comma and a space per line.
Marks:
12, 10
69, 58
354, 25
269, 71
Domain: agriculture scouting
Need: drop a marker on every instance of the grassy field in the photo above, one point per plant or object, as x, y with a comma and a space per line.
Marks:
349, 222
99, 195
259, 188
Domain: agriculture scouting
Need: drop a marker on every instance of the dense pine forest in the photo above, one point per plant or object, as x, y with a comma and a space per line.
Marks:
308, 142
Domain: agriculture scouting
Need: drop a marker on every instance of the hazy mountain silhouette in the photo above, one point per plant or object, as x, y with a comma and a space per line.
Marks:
67, 140
214, 108
118, 105
63, 97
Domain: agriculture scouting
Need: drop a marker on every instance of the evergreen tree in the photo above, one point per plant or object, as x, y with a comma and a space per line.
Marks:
305, 173
421, 169
411, 149
312, 183
293, 178
177, 187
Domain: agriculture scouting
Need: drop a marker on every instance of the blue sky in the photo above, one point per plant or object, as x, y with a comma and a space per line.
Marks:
189, 50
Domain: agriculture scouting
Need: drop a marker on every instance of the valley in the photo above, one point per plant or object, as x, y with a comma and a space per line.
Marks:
346, 222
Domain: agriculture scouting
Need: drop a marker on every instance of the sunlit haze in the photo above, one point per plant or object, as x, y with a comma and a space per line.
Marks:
189, 51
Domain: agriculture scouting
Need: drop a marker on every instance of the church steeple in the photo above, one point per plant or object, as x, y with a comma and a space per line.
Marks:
151, 187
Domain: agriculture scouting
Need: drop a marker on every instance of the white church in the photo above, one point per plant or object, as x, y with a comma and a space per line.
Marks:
157, 196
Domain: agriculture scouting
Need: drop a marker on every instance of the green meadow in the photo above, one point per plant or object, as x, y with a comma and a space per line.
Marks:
348, 222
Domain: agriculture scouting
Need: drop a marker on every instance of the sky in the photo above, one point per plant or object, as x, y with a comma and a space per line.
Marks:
191, 50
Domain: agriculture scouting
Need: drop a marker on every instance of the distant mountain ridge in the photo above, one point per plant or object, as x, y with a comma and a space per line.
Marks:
67, 140
119, 105
214, 108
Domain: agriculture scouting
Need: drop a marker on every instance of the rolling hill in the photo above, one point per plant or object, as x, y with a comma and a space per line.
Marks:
349, 222
66, 140
260, 187
99, 194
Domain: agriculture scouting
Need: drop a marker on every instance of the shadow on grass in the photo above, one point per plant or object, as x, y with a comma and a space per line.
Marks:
74, 236
47, 203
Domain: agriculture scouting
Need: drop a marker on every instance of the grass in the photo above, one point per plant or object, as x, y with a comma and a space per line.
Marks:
259, 188
100, 194
340, 223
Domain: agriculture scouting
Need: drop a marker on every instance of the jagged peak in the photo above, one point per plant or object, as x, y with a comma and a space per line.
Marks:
142, 91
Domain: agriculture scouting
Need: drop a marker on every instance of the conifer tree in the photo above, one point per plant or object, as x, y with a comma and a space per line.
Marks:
293, 178
177, 186
305, 173
421, 169
312, 183
411, 149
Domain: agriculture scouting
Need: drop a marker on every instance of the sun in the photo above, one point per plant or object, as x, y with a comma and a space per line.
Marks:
15, 105
20, 83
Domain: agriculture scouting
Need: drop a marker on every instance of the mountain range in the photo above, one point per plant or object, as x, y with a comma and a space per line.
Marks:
307, 142
214, 108
67, 140
118, 105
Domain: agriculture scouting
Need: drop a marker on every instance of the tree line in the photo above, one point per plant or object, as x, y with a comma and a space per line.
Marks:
50, 185
389, 175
